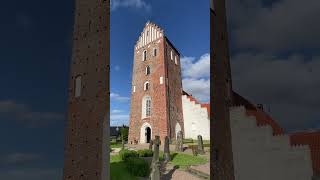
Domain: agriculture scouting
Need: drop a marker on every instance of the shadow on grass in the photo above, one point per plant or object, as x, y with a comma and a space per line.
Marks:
168, 175
118, 171
173, 155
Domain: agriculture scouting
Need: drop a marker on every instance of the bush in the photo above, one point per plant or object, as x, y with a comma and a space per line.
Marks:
125, 154
124, 133
145, 153
137, 166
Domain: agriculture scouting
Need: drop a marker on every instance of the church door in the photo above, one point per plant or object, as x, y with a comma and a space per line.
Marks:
148, 134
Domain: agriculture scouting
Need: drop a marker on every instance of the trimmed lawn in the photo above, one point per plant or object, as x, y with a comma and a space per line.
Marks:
184, 160
118, 169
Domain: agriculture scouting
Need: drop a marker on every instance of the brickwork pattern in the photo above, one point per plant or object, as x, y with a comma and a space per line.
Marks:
87, 128
160, 66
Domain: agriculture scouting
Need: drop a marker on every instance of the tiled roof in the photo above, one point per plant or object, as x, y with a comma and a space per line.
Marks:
313, 140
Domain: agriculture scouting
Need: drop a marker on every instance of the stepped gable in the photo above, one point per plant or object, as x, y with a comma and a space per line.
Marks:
262, 118
203, 105
301, 138
313, 140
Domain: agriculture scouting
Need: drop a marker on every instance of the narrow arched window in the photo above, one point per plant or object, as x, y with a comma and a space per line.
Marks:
147, 70
146, 86
171, 54
154, 52
144, 55
146, 106
77, 87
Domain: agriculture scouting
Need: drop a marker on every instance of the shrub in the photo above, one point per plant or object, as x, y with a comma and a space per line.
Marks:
124, 133
145, 153
125, 154
137, 166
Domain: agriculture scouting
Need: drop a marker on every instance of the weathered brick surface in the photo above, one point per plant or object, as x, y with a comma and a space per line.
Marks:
87, 128
163, 96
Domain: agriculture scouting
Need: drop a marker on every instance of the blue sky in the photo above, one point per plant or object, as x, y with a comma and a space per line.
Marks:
269, 65
186, 26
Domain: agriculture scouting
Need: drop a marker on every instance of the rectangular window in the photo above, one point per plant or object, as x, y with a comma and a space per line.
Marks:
175, 60
171, 55
161, 80
77, 91
154, 52
134, 88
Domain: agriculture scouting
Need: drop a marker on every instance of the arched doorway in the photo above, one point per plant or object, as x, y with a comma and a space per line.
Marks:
145, 133
148, 134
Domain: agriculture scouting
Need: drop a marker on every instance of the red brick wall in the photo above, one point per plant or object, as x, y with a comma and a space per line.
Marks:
159, 93
87, 129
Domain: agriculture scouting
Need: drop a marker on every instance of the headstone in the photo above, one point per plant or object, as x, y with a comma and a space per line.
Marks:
150, 145
179, 142
166, 149
155, 165
194, 150
200, 145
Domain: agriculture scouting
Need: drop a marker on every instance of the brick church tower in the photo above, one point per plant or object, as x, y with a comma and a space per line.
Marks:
156, 105
86, 152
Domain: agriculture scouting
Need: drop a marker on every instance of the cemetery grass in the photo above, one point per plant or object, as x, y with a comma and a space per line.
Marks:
183, 161
118, 169
115, 144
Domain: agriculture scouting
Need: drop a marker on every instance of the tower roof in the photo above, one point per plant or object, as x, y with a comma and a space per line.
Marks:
151, 32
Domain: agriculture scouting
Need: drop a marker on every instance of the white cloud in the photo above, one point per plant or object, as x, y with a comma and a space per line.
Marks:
198, 88
117, 97
119, 119
11, 110
114, 111
282, 25
196, 73
289, 86
138, 4
196, 68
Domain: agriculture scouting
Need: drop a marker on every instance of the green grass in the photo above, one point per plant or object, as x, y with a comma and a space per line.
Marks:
118, 169
185, 160
115, 144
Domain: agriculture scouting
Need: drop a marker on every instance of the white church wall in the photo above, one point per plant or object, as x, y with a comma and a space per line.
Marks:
196, 120
257, 154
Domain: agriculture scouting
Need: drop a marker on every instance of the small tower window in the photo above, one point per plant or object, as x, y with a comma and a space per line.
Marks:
161, 80
148, 107
154, 52
134, 88
171, 54
144, 56
77, 91
175, 60
147, 70
146, 86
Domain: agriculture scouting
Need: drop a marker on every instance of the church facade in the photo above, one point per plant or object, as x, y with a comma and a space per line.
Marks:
156, 104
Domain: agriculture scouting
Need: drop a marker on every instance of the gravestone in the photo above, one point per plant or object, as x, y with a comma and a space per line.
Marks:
179, 142
150, 145
200, 145
166, 149
122, 142
155, 165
